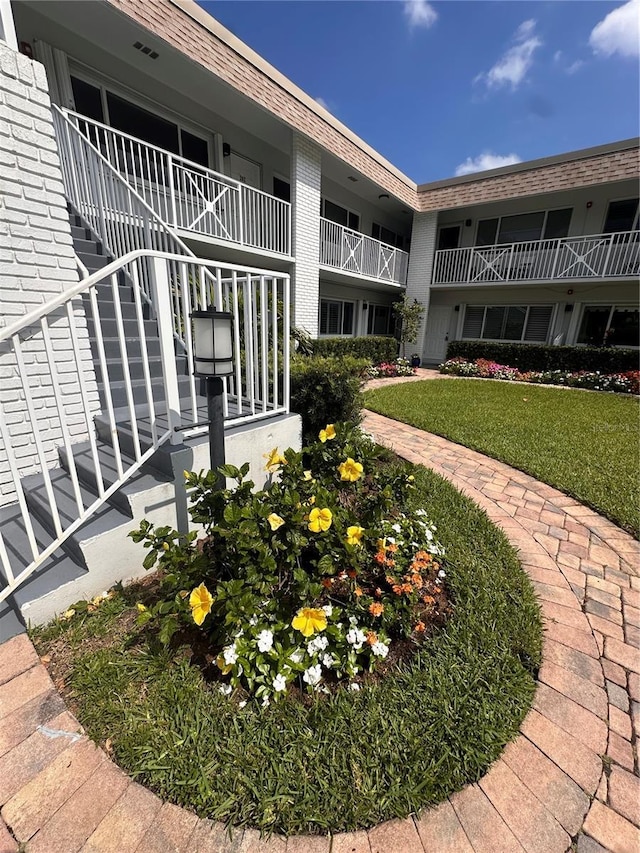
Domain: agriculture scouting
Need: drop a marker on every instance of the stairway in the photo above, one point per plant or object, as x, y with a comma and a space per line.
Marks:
151, 486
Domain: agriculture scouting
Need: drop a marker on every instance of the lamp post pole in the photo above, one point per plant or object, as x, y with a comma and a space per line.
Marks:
216, 427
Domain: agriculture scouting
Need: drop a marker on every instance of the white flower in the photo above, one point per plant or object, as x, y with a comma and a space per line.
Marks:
296, 656
279, 683
312, 675
380, 650
242, 704
353, 620
391, 539
230, 654
225, 689
254, 620
354, 687
328, 610
396, 527
442, 573
327, 661
356, 637
265, 702
265, 641
319, 644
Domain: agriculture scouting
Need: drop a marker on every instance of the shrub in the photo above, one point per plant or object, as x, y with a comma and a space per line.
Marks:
399, 367
326, 389
307, 580
376, 348
543, 357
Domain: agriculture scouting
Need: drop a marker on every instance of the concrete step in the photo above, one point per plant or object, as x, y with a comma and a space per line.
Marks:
115, 368
107, 307
93, 261
134, 347
109, 328
88, 246
79, 232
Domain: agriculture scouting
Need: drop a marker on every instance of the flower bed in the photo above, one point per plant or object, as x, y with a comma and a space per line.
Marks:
399, 367
307, 583
622, 383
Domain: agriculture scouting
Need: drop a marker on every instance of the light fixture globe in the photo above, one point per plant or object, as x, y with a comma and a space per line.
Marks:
212, 343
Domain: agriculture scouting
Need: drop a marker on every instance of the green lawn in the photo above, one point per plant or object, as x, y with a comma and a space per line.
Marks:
346, 761
584, 443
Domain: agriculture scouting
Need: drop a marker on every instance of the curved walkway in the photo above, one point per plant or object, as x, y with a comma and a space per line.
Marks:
570, 778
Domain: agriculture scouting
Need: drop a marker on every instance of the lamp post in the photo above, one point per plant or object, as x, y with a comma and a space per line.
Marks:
213, 359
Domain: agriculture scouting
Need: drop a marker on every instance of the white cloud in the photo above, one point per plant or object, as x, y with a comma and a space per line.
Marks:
557, 56
575, 66
618, 32
512, 67
486, 160
419, 13
322, 103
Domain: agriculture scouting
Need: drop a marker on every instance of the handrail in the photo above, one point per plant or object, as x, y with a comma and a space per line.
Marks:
365, 236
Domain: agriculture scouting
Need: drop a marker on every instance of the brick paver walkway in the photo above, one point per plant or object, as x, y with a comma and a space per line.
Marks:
570, 778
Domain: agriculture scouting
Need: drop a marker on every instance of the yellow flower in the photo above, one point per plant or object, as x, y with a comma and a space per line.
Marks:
307, 475
141, 607
275, 521
354, 535
165, 546
350, 470
200, 602
274, 460
327, 433
320, 519
308, 620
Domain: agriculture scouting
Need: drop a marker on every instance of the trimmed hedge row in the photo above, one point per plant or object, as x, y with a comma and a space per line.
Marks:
326, 390
528, 357
374, 347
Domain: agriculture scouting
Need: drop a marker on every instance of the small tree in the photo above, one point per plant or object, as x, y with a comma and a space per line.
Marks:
409, 313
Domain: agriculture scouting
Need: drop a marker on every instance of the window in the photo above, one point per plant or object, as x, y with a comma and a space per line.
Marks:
281, 189
336, 317
617, 325
87, 99
621, 216
449, 237
379, 321
524, 227
386, 235
340, 215
529, 323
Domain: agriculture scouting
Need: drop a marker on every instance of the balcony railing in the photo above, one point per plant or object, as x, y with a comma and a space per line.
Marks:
344, 249
191, 197
590, 256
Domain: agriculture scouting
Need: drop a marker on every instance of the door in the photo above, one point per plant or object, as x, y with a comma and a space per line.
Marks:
449, 237
437, 336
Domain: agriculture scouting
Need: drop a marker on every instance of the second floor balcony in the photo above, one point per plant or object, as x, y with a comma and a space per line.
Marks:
591, 256
192, 198
354, 253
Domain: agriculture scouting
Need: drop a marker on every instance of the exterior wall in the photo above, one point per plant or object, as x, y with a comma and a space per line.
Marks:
37, 262
589, 209
527, 180
361, 296
423, 242
306, 171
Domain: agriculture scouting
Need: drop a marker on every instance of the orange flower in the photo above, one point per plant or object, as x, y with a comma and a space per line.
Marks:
397, 589
327, 583
376, 609
406, 587
420, 627
424, 556
351, 573
416, 580
390, 580
378, 592
392, 547
357, 592
428, 599
372, 637
380, 558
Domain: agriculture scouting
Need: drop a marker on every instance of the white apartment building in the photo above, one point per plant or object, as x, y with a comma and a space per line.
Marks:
152, 164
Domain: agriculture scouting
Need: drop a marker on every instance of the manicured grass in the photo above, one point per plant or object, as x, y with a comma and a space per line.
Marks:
349, 760
584, 443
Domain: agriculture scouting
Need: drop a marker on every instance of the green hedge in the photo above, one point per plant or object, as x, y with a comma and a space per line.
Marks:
326, 390
376, 348
543, 357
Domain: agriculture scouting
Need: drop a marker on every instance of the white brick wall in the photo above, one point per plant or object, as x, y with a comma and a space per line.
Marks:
306, 176
423, 244
36, 263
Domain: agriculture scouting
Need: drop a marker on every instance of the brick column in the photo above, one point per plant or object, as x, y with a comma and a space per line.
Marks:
37, 262
423, 243
306, 176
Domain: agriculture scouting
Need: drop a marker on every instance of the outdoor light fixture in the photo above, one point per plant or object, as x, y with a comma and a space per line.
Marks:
383, 196
213, 359
226, 149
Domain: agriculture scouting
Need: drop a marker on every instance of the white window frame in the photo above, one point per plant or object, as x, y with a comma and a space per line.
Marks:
104, 82
552, 322
342, 303
545, 211
7, 26
603, 304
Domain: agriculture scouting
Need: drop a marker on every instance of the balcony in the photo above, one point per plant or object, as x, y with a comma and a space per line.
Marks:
355, 253
192, 198
592, 256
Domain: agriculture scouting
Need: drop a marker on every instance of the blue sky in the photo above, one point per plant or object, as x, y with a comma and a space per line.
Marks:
441, 88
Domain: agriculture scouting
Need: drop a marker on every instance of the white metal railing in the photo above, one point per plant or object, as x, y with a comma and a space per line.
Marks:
353, 252
588, 256
192, 197
43, 357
